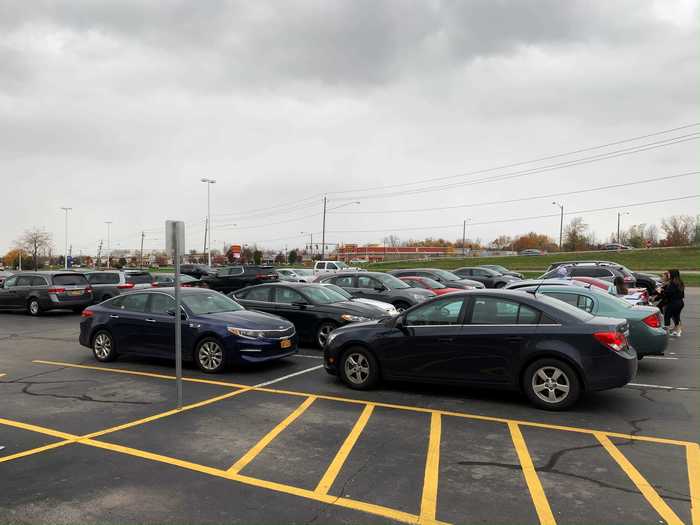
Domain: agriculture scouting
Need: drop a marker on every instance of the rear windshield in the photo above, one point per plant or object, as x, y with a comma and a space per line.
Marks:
70, 279
572, 310
138, 278
103, 278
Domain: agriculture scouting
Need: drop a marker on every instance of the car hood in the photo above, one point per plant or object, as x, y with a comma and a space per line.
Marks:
414, 291
355, 326
463, 282
379, 304
641, 311
248, 319
357, 308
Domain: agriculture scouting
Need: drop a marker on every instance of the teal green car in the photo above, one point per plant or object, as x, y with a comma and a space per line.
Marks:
647, 334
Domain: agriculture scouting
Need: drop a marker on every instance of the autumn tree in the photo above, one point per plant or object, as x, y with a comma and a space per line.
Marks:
35, 242
576, 235
503, 242
679, 230
533, 240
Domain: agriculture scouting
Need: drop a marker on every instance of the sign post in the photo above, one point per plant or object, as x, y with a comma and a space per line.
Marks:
175, 244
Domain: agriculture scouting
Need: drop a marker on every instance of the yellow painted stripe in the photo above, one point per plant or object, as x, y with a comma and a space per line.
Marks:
428, 504
3, 375
329, 477
272, 434
539, 499
642, 484
36, 450
693, 456
478, 417
36, 428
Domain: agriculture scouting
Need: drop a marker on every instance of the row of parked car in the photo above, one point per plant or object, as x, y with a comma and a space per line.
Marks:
552, 338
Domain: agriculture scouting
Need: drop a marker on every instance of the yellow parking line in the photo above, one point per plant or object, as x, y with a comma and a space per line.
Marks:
642, 484
272, 434
539, 499
36, 428
428, 504
332, 472
36, 450
693, 456
465, 415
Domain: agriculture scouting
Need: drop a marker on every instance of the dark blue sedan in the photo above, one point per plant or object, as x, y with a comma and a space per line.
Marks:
216, 330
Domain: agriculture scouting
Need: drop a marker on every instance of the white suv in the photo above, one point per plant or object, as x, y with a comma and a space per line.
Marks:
332, 266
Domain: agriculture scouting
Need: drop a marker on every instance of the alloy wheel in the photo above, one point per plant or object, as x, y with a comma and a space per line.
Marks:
551, 384
210, 355
33, 307
356, 368
323, 333
102, 346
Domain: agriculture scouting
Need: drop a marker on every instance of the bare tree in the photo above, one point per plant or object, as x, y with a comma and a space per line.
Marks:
36, 242
679, 229
576, 235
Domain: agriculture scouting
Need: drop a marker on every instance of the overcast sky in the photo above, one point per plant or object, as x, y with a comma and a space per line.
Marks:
117, 109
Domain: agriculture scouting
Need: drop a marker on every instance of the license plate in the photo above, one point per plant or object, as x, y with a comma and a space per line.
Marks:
74, 292
286, 343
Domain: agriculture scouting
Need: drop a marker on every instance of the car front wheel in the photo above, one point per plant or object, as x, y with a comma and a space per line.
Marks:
551, 384
401, 306
209, 356
359, 369
324, 330
33, 307
103, 347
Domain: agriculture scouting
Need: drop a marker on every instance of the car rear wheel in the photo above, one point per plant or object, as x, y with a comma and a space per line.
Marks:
103, 347
401, 306
33, 307
209, 356
551, 384
359, 369
324, 330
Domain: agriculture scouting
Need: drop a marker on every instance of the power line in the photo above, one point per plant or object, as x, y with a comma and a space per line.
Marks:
512, 219
520, 199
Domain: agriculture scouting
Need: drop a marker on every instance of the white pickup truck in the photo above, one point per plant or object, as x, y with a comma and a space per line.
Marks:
332, 266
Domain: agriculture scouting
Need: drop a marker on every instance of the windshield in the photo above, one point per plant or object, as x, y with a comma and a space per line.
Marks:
210, 303
303, 271
498, 268
570, 309
432, 284
446, 276
338, 290
341, 265
391, 282
323, 295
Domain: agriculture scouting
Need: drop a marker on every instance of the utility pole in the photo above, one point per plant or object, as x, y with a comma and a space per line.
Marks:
143, 234
323, 236
65, 253
206, 228
99, 254
109, 245
619, 214
561, 223
208, 182
464, 237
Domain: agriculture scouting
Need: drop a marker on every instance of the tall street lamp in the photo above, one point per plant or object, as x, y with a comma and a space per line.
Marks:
464, 236
323, 236
208, 182
619, 214
109, 241
65, 253
561, 222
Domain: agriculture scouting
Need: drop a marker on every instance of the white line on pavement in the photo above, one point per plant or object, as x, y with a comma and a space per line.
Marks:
658, 357
309, 356
660, 387
288, 376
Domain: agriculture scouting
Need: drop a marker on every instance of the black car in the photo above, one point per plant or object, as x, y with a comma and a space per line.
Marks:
167, 280
449, 279
314, 309
492, 338
38, 292
216, 331
489, 278
232, 278
378, 286
503, 270
606, 271
650, 281
195, 270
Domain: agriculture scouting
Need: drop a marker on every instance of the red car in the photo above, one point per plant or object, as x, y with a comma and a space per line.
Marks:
429, 284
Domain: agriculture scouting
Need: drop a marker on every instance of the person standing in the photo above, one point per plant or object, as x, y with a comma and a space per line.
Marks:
673, 296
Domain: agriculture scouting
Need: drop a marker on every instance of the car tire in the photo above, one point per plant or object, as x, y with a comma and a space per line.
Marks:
401, 306
103, 347
323, 331
210, 356
551, 384
359, 368
33, 307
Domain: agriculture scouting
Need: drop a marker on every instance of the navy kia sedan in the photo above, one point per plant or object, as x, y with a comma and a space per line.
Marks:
548, 349
216, 330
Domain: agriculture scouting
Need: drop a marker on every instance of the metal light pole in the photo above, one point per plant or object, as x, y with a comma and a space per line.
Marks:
208, 182
619, 214
65, 253
561, 223
464, 236
323, 237
109, 242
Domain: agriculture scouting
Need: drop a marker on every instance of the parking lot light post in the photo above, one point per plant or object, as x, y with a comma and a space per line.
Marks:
619, 214
561, 222
464, 236
208, 182
109, 244
65, 253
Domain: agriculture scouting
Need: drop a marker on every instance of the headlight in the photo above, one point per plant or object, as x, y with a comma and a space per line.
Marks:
419, 298
242, 332
353, 318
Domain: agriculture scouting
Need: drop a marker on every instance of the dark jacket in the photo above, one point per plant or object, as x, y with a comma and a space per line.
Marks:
673, 293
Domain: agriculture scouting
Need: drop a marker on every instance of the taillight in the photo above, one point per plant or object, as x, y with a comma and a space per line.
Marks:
87, 290
154, 284
56, 290
613, 340
652, 320
125, 285
87, 313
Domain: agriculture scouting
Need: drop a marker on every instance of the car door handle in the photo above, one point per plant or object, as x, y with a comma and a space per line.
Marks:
150, 320
515, 339
113, 316
445, 339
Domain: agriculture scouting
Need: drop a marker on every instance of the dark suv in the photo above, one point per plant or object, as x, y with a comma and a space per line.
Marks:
649, 281
232, 278
600, 270
38, 292
486, 276
195, 270
110, 283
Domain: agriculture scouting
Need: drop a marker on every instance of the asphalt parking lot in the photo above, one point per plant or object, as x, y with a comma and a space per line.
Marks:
90, 442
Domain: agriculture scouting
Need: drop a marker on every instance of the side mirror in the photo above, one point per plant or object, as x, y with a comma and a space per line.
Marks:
380, 288
171, 313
